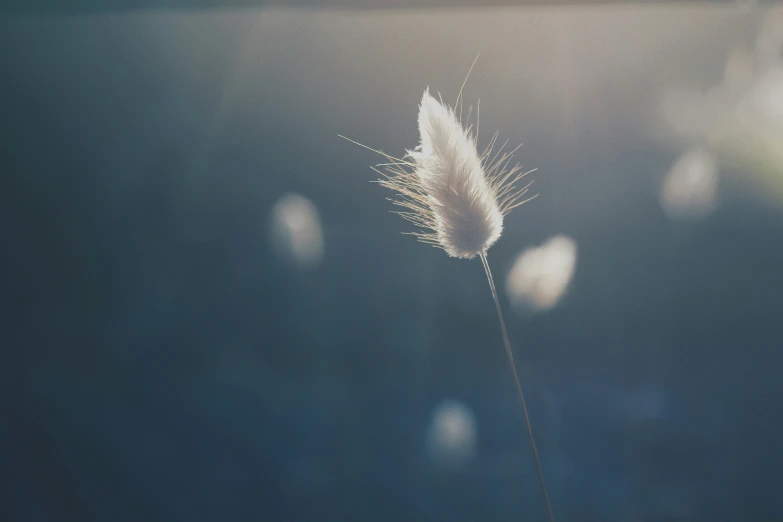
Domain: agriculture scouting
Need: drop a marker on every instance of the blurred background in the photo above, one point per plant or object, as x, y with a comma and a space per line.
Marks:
209, 313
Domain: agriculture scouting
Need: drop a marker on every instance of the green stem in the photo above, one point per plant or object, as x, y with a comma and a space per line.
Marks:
519, 388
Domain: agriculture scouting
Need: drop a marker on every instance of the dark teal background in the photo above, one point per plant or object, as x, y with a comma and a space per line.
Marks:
159, 362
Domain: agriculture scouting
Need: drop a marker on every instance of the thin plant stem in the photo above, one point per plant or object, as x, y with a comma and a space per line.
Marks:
519, 388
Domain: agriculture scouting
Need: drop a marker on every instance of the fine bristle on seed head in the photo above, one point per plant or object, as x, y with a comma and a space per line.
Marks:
467, 219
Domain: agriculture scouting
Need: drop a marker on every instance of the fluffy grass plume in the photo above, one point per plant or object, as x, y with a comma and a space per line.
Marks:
458, 198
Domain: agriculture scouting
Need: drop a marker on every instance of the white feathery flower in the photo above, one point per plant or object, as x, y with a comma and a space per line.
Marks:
466, 216
458, 196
